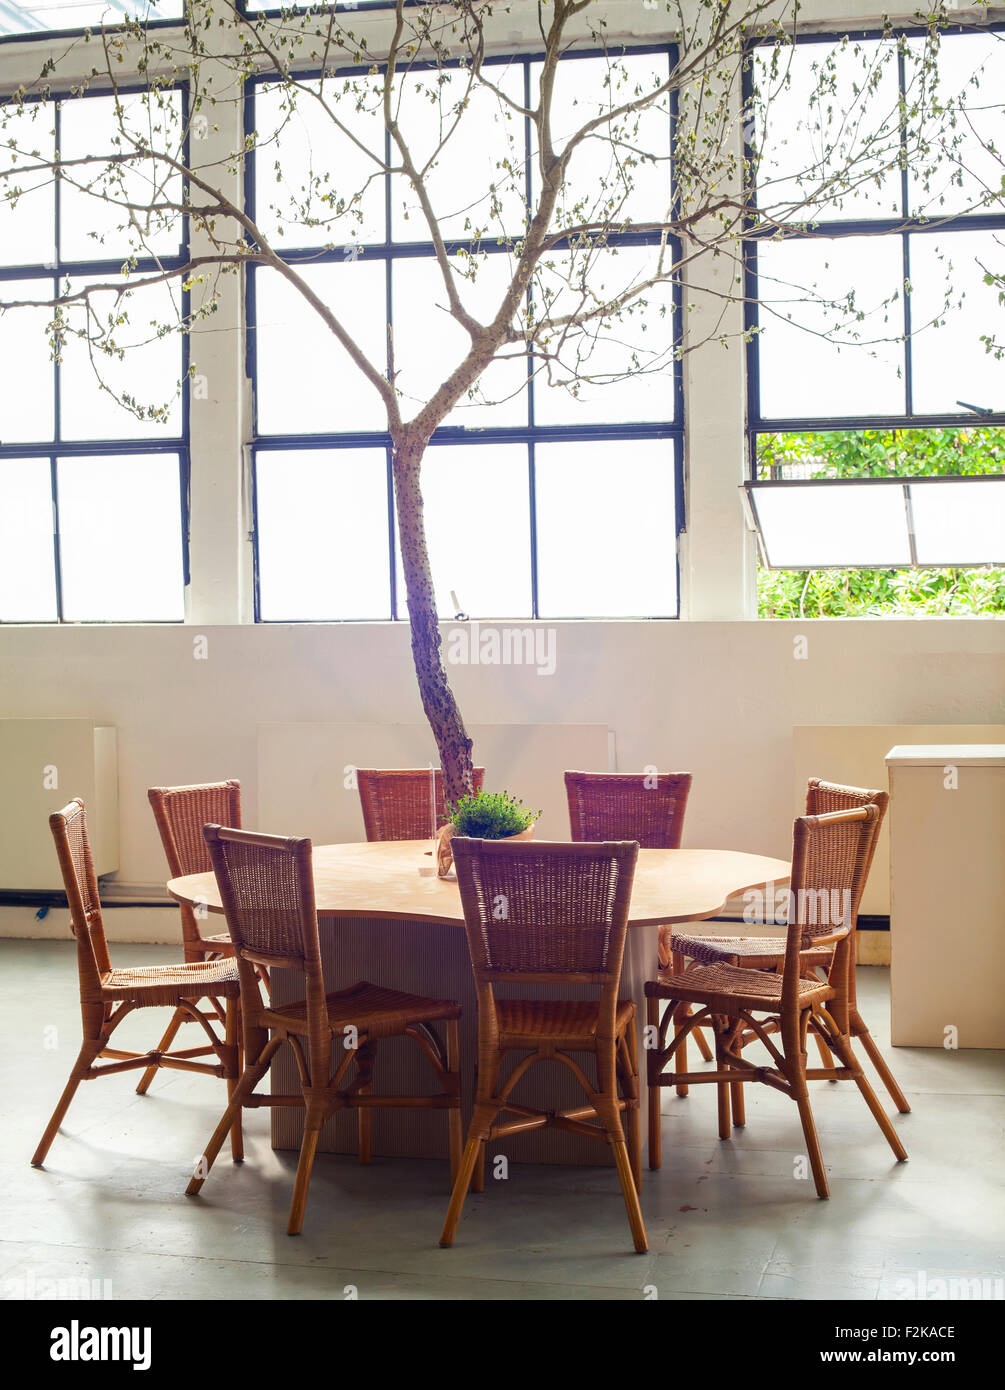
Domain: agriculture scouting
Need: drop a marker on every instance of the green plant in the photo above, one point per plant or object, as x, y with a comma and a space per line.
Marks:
490, 815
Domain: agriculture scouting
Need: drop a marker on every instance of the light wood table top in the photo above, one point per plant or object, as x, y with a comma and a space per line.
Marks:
382, 879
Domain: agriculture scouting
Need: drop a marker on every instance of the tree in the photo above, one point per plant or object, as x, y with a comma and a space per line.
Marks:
564, 302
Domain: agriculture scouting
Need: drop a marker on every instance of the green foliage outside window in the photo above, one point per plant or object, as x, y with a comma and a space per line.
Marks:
882, 593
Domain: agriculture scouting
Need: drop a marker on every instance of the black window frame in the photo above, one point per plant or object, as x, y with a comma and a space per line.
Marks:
530, 434
832, 228
56, 272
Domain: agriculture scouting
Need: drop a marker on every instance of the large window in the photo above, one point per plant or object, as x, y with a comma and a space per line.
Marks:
93, 451
24, 17
543, 498
868, 360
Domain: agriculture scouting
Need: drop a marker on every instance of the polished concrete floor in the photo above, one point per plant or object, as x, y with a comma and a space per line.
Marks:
725, 1220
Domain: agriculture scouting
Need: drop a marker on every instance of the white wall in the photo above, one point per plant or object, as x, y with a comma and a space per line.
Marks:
717, 699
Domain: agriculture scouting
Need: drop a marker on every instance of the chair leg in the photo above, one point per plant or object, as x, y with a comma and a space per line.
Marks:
232, 1038
722, 1088
478, 1181
628, 1188
85, 1058
177, 1019
826, 1056
249, 1080
876, 1057
474, 1154
699, 1037
844, 1050
313, 1120
796, 1069
455, 1129
655, 1091
680, 1015
738, 1104
633, 1128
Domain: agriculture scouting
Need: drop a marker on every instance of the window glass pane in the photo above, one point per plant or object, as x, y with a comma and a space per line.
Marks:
94, 224
310, 169
827, 130
951, 308
120, 538
23, 17
307, 383
477, 513
622, 172
606, 530
616, 368
828, 313
807, 526
959, 523
26, 368
27, 200
27, 562
97, 385
464, 158
429, 343
322, 534
957, 112
872, 453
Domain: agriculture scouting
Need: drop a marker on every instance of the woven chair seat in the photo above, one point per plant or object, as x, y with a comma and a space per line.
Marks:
372, 1009
751, 951
716, 984
168, 984
558, 1020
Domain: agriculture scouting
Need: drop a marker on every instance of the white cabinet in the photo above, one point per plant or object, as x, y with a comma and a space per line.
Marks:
43, 764
947, 891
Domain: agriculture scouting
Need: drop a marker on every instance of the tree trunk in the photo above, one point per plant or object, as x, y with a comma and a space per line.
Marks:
437, 697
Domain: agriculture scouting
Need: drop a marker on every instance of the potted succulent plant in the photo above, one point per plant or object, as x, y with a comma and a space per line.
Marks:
483, 815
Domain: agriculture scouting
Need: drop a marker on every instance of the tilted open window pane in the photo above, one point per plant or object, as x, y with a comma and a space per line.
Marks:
812, 525
120, 538
20, 17
827, 130
26, 368
477, 513
322, 534
27, 571
951, 309
818, 357
959, 523
606, 529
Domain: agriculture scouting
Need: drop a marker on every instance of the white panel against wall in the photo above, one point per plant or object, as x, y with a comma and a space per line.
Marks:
855, 754
43, 764
302, 770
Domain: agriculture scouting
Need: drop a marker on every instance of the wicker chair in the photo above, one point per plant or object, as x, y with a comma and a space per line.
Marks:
768, 953
180, 813
630, 805
831, 855
397, 802
555, 914
267, 886
107, 996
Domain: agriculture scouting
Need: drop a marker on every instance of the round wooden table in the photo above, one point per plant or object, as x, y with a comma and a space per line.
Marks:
381, 920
